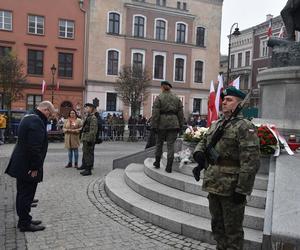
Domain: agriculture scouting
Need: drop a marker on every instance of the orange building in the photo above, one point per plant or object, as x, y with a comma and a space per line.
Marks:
43, 35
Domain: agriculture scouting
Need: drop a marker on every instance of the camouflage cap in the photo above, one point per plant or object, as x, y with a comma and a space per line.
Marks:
165, 83
89, 105
233, 91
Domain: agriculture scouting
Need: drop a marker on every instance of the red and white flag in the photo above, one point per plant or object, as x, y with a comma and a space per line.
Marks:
219, 91
44, 86
270, 28
282, 32
212, 112
57, 85
235, 83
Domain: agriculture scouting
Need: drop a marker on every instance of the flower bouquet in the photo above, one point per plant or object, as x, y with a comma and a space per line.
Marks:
194, 134
268, 142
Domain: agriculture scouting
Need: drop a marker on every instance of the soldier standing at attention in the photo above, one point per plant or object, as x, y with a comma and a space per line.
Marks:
232, 177
167, 121
88, 138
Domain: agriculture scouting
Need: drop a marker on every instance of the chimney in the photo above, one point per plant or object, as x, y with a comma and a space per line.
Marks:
269, 16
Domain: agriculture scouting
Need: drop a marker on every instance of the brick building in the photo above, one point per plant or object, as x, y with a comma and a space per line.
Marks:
42, 34
178, 41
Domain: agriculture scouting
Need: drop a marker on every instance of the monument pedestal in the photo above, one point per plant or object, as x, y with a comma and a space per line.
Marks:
280, 98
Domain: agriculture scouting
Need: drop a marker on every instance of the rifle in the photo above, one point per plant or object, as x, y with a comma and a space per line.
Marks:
211, 154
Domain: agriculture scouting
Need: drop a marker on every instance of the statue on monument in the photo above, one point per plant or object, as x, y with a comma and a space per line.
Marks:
291, 17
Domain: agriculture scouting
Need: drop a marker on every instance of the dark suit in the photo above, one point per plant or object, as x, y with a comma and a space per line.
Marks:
28, 155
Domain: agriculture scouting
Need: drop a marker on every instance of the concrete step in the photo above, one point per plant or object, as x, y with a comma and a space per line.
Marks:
261, 180
188, 184
168, 218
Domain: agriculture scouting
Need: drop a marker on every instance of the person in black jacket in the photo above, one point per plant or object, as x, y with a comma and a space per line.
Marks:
26, 162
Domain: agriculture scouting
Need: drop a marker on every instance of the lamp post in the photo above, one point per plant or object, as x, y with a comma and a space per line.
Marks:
53, 71
235, 33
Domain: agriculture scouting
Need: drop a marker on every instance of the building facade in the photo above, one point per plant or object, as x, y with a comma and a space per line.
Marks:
43, 35
178, 41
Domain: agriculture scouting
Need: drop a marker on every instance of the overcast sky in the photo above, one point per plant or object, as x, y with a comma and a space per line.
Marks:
246, 13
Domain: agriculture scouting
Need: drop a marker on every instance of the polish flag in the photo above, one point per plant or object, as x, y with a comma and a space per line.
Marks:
57, 85
44, 86
282, 32
219, 90
212, 112
235, 83
270, 28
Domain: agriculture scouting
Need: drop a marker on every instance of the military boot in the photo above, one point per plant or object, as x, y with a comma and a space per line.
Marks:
156, 164
169, 167
86, 172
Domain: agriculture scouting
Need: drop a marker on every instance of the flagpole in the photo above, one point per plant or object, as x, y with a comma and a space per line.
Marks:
53, 70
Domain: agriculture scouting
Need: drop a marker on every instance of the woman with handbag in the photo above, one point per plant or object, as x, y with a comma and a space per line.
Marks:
71, 128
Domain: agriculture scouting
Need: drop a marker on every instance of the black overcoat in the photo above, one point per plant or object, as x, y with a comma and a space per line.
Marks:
31, 148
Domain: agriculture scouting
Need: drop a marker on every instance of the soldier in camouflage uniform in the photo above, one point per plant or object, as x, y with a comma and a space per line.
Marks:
232, 178
166, 122
88, 138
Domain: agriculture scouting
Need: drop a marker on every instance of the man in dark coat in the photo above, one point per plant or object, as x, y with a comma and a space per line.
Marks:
27, 160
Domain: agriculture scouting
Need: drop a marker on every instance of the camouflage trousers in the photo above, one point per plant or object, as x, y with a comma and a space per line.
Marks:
88, 155
170, 136
227, 222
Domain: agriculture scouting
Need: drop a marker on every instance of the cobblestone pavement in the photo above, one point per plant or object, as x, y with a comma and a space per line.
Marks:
76, 211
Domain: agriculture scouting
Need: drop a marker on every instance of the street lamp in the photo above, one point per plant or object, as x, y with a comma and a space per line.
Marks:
53, 70
235, 33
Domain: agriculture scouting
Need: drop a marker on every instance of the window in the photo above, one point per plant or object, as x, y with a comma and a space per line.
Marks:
35, 62
245, 82
247, 58
184, 6
179, 71
240, 57
198, 77
114, 23
181, 33
264, 48
164, 2
139, 26
113, 62
5, 20
160, 29
2, 101
159, 66
178, 5
66, 29
33, 101
200, 36
4, 51
232, 61
111, 101
197, 105
36, 25
65, 64
137, 60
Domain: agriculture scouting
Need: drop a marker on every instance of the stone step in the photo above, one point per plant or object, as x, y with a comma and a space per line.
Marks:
188, 184
168, 218
186, 202
261, 180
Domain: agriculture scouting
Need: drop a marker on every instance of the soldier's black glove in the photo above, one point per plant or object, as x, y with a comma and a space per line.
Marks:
238, 198
200, 159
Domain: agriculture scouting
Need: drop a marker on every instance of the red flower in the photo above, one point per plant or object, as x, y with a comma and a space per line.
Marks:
263, 142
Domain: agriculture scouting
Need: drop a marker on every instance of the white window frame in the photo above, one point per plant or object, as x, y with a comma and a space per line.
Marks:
141, 51
203, 73
166, 33
119, 61
186, 31
261, 48
3, 12
164, 54
145, 25
179, 56
182, 99
107, 25
65, 28
35, 24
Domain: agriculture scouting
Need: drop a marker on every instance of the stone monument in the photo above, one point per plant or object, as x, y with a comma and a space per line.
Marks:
280, 84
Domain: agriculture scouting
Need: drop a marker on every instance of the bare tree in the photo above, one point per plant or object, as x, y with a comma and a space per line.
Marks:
132, 85
12, 79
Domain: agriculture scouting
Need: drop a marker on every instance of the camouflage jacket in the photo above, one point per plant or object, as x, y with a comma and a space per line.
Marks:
239, 158
167, 112
89, 129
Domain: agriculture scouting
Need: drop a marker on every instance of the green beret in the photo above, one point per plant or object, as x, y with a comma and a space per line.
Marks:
233, 91
89, 105
165, 83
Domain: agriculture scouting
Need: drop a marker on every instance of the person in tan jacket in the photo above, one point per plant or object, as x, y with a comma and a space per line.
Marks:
3, 121
71, 128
